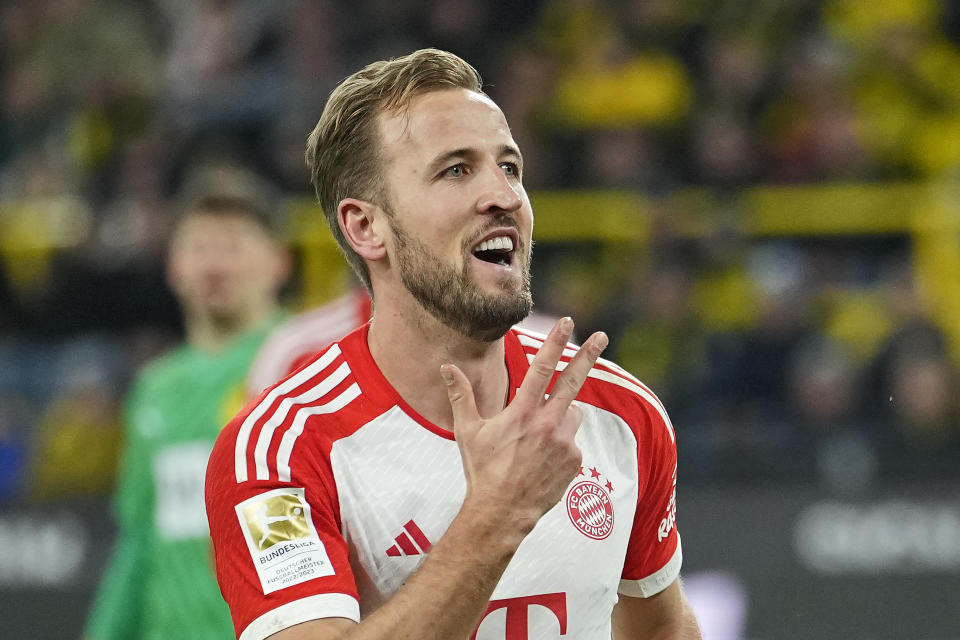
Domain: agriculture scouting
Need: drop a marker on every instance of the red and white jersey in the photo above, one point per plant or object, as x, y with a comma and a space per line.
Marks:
327, 491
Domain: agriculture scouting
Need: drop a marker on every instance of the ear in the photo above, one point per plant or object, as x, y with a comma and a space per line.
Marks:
358, 221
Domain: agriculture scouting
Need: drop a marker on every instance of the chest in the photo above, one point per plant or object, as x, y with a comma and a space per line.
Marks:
400, 486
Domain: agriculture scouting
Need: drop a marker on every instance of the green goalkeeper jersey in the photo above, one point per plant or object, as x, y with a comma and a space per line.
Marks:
161, 582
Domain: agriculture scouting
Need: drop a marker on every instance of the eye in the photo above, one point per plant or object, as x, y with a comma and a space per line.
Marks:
456, 171
511, 169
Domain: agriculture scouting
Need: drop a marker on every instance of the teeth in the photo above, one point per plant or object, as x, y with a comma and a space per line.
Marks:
501, 243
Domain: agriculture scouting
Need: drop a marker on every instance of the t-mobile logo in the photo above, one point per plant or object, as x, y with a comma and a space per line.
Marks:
517, 609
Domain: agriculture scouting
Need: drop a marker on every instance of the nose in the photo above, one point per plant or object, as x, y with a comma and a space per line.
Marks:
217, 254
500, 193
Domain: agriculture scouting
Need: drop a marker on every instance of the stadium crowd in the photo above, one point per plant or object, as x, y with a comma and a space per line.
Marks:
791, 358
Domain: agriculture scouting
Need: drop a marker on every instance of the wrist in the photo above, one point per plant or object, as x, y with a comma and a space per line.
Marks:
495, 522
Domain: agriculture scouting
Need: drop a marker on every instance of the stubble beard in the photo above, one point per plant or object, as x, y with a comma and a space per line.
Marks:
450, 296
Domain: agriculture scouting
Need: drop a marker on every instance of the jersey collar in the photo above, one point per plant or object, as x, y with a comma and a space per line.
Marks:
377, 388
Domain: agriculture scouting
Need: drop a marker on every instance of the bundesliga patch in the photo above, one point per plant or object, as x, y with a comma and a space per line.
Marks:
282, 540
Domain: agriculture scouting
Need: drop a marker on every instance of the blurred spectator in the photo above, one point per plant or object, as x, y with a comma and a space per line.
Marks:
913, 402
826, 436
823, 386
223, 65
62, 81
607, 79
623, 159
922, 388
78, 435
723, 150
812, 128
662, 340
906, 82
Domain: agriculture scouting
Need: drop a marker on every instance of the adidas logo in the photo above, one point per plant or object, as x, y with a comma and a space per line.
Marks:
410, 542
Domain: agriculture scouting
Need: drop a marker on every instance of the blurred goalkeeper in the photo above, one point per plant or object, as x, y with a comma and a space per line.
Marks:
225, 266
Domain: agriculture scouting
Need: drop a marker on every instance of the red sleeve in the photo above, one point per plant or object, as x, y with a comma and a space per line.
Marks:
280, 556
653, 553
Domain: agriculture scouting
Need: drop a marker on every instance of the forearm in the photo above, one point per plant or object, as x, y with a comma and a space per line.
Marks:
683, 628
447, 596
664, 616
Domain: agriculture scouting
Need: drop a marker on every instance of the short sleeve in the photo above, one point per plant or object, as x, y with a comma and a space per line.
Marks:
280, 555
654, 554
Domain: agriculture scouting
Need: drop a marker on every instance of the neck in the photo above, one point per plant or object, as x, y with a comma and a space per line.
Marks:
409, 345
210, 333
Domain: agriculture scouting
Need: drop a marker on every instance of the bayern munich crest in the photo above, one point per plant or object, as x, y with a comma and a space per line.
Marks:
590, 507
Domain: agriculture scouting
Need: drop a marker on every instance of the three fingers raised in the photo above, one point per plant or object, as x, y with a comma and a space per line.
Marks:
537, 380
575, 373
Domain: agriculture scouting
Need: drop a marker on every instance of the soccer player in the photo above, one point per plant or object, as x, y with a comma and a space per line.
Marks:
438, 474
225, 265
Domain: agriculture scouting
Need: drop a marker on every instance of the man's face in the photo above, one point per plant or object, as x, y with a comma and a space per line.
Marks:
460, 219
223, 265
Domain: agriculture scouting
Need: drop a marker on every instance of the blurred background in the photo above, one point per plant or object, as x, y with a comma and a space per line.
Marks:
759, 200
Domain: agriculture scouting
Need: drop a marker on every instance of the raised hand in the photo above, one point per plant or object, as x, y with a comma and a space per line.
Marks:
519, 462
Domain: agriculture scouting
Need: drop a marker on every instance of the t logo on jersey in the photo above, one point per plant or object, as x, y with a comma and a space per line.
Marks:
282, 540
518, 612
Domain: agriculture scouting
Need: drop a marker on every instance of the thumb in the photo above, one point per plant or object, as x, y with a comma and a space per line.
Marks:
460, 394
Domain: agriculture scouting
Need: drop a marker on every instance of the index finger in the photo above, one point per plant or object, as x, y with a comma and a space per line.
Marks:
544, 364
575, 374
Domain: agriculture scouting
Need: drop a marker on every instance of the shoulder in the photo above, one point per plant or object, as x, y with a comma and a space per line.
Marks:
611, 388
322, 397
156, 391
164, 368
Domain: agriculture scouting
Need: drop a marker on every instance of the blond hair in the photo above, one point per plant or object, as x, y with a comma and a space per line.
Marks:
343, 150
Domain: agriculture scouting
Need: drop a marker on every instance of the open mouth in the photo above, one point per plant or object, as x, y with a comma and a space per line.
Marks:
497, 250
